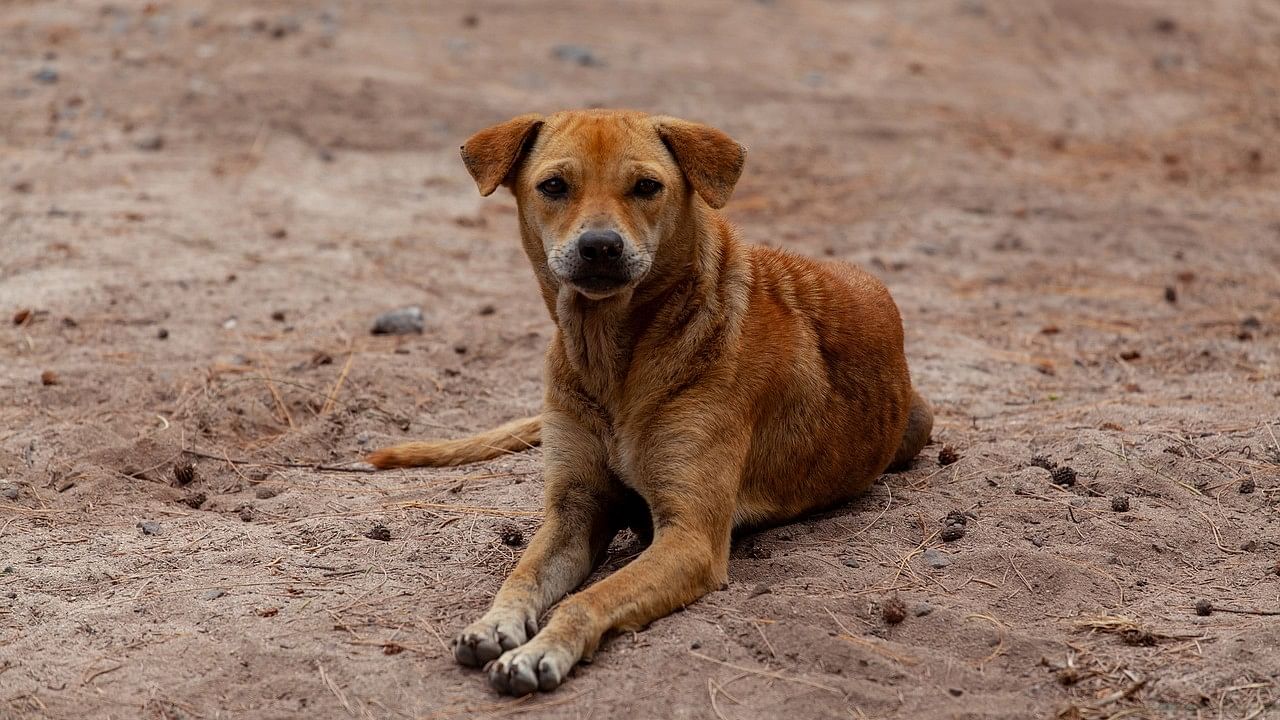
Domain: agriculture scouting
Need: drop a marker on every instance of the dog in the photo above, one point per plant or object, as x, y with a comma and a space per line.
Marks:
695, 385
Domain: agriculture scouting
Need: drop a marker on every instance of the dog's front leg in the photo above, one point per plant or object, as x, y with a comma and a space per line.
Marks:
582, 504
689, 556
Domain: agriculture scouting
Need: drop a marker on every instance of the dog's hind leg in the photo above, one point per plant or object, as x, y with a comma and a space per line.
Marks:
916, 436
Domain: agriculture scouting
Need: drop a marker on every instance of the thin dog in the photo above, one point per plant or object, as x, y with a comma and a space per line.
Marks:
695, 384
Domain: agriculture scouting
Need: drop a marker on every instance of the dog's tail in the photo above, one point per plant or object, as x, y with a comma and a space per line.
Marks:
511, 437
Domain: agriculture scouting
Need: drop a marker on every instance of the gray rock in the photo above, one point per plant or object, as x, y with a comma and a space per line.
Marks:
149, 527
935, 559
150, 142
399, 322
45, 75
852, 562
923, 609
578, 54
213, 594
10, 492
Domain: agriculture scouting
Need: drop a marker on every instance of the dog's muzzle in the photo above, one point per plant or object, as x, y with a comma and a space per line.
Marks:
601, 262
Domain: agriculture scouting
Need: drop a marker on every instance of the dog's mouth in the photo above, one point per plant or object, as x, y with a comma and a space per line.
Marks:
600, 285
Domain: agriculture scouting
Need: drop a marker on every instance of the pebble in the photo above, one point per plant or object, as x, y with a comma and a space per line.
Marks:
578, 54
213, 594
10, 493
149, 527
923, 609
936, 559
150, 142
399, 322
45, 75
852, 562
1120, 503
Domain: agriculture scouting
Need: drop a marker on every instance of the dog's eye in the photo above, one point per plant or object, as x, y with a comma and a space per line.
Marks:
554, 187
646, 188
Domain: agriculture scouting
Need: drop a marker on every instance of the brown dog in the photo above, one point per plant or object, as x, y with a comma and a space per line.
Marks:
695, 384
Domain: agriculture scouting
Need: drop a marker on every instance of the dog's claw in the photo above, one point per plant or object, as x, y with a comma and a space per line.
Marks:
483, 641
528, 669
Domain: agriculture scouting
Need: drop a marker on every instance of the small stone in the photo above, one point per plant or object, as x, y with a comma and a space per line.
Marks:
577, 54
893, 611
213, 594
1247, 486
923, 609
184, 473
10, 492
511, 535
266, 492
952, 533
1120, 503
379, 532
402, 321
852, 562
22, 316
45, 75
278, 316
1204, 607
1170, 294
759, 590
150, 142
955, 692
1042, 461
48, 377
947, 455
488, 309
936, 559
162, 333
194, 501
279, 233
696, 644
1064, 475
149, 527
246, 513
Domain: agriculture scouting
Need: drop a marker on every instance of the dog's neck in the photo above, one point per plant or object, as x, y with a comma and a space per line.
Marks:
600, 337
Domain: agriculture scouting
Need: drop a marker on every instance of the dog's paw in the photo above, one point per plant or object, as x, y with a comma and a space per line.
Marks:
490, 636
539, 665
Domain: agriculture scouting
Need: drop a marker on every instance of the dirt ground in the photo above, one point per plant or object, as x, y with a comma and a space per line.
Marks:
205, 204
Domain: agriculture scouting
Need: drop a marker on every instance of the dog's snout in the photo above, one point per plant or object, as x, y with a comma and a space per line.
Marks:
600, 246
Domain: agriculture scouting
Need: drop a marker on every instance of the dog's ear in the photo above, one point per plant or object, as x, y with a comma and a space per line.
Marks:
491, 153
710, 160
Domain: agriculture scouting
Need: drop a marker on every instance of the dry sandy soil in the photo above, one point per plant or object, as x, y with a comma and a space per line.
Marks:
205, 204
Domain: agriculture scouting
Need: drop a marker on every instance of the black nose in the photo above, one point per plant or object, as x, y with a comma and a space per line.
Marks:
600, 246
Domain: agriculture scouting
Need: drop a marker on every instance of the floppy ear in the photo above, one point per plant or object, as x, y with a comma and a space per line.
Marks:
491, 153
710, 160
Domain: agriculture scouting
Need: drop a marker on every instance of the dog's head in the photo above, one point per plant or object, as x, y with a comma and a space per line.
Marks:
604, 190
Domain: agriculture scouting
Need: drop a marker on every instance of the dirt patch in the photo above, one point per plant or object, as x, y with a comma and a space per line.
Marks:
204, 207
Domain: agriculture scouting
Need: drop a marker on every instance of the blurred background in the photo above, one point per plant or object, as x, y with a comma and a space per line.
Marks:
205, 206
